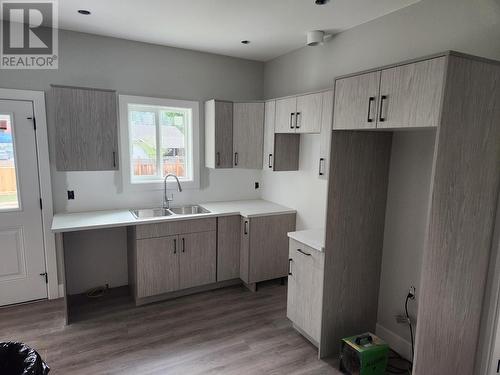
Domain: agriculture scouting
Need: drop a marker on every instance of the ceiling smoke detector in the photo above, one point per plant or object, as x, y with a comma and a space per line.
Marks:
321, 2
315, 37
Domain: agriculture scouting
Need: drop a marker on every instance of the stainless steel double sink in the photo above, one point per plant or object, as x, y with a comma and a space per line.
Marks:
191, 209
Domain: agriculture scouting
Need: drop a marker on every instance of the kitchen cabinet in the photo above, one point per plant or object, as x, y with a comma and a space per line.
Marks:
299, 114
305, 289
157, 264
248, 135
281, 151
285, 115
85, 128
325, 135
218, 134
197, 259
308, 113
356, 101
170, 256
410, 95
403, 96
228, 247
264, 247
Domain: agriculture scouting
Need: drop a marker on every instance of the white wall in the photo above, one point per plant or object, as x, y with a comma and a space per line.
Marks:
427, 27
138, 69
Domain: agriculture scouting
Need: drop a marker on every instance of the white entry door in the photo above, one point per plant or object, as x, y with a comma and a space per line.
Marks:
22, 256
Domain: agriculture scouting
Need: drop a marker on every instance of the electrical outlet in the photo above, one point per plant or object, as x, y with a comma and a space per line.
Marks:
256, 185
71, 194
412, 292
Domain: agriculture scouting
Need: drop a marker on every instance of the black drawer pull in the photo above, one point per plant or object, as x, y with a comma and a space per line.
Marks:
291, 120
269, 162
370, 100
381, 118
290, 266
303, 252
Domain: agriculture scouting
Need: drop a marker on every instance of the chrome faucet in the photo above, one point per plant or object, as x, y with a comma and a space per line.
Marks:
166, 199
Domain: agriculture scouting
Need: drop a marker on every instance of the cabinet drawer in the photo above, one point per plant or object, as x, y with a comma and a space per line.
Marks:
175, 227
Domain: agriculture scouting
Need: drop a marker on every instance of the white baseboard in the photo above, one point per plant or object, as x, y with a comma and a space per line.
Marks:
61, 290
396, 342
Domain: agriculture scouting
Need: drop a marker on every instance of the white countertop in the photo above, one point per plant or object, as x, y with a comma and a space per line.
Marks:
314, 238
69, 222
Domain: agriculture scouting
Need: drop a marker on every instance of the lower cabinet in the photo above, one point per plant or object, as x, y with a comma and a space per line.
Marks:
264, 247
228, 247
168, 263
305, 289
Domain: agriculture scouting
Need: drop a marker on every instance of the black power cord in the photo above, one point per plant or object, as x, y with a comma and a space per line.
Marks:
392, 369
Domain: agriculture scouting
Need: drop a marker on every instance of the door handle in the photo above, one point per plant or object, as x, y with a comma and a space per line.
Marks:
303, 252
183, 245
218, 158
370, 100
175, 245
380, 115
297, 114
235, 158
269, 162
320, 169
291, 120
290, 260
245, 231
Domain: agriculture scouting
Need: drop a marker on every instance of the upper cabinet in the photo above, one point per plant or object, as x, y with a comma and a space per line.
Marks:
218, 134
410, 95
398, 97
85, 122
356, 100
281, 151
248, 135
234, 134
299, 114
326, 135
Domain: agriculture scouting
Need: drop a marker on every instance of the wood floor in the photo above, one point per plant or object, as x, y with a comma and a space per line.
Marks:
227, 331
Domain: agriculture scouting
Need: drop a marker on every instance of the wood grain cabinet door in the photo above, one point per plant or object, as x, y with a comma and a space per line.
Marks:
228, 247
248, 135
157, 266
356, 101
218, 134
198, 259
285, 115
326, 135
410, 95
85, 128
305, 288
308, 114
269, 119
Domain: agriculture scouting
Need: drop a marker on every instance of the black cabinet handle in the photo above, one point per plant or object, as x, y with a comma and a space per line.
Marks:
291, 120
175, 245
235, 158
303, 252
297, 114
320, 169
114, 159
269, 162
370, 100
183, 245
218, 158
380, 115
246, 227
290, 266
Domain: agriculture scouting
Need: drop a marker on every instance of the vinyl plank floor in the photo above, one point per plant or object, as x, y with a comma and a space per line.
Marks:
226, 331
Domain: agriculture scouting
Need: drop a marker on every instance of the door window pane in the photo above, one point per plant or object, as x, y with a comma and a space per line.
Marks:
8, 178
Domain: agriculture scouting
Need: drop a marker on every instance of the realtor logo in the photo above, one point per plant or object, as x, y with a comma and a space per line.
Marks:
29, 37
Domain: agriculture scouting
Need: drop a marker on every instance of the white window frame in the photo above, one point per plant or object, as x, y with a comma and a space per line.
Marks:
194, 143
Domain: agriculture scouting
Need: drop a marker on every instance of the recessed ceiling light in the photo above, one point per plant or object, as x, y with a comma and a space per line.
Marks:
245, 42
84, 12
321, 2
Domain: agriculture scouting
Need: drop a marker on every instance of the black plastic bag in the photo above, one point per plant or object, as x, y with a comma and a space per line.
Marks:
17, 358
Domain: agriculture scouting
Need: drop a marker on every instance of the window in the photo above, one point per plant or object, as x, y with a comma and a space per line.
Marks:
159, 136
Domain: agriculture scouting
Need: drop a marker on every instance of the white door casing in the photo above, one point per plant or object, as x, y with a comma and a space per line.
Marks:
22, 256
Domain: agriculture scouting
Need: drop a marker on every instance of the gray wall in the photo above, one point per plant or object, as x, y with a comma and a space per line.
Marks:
137, 69
427, 27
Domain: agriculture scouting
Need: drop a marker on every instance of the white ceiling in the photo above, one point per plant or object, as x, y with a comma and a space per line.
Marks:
274, 27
